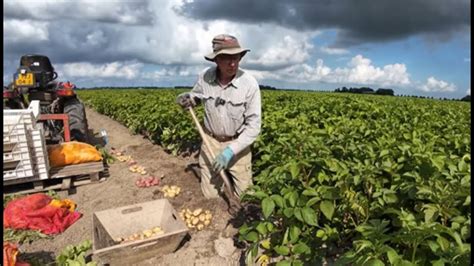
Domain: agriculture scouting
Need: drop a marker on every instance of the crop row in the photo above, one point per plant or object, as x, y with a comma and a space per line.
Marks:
366, 179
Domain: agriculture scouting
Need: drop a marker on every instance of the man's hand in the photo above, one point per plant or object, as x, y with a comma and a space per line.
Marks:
186, 100
222, 160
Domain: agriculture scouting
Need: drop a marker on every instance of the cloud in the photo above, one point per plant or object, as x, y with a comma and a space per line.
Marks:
126, 70
357, 21
135, 12
434, 85
25, 31
334, 51
359, 71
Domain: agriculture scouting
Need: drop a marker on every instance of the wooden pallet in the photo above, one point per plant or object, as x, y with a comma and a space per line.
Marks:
62, 178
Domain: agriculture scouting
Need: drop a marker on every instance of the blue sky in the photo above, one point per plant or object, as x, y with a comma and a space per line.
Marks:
415, 47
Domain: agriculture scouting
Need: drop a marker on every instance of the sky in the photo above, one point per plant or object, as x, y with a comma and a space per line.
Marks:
415, 47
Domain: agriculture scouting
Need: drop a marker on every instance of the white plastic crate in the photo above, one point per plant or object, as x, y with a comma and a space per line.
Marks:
23, 170
19, 152
39, 153
15, 133
27, 116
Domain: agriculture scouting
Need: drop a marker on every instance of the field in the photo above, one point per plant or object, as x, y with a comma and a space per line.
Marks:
359, 179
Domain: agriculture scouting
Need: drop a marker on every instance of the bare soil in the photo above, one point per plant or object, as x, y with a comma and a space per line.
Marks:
215, 245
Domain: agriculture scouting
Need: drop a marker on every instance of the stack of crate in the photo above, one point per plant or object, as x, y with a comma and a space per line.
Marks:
25, 156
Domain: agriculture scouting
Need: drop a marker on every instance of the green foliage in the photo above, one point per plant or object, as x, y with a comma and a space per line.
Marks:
22, 236
379, 180
75, 255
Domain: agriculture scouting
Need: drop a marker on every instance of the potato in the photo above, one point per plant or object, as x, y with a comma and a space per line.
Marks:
207, 211
195, 221
202, 217
147, 233
197, 212
157, 229
200, 227
207, 222
119, 239
208, 216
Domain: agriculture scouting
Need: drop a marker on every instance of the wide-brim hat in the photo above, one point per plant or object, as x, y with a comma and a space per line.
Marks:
225, 44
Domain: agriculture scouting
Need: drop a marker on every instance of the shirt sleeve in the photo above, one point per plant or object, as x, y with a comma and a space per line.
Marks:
252, 123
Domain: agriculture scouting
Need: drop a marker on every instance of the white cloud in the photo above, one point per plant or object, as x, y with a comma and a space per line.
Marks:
283, 51
334, 51
110, 11
358, 71
434, 85
468, 91
25, 31
127, 70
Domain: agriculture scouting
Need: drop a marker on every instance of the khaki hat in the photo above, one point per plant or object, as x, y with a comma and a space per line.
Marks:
225, 44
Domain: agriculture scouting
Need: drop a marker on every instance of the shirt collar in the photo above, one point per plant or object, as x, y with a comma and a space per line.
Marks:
234, 82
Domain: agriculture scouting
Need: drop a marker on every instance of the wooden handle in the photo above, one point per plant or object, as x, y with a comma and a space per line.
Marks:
206, 142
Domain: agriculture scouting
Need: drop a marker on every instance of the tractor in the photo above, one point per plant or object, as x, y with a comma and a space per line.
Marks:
35, 80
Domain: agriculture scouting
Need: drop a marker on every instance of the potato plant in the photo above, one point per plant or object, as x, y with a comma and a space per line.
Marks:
358, 179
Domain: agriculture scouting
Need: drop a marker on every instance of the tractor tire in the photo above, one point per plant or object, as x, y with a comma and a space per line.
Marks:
77, 119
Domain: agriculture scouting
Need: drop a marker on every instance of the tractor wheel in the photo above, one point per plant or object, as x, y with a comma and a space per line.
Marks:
77, 119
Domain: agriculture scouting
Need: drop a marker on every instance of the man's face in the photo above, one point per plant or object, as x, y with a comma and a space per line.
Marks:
228, 64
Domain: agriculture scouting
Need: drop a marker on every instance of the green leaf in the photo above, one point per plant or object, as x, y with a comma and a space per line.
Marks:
439, 262
320, 233
295, 232
294, 170
260, 194
251, 236
288, 212
374, 262
443, 243
327, 207
279, 201
309, 216
261, 228
282, 250
267, 207
299, 215
310, 192
292, 198
383, 153
300, 248
283, 263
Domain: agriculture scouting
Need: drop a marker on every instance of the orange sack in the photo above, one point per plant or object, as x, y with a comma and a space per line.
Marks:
72, 152
40, 212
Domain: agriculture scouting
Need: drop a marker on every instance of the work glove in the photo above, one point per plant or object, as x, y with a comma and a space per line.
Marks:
222, 160
186, 100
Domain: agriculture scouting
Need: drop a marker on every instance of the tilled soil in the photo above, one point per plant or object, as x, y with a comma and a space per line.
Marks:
215, 245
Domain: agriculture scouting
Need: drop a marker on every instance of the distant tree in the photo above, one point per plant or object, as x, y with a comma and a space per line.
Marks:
466, 98
382, 91
344, 89
265, 87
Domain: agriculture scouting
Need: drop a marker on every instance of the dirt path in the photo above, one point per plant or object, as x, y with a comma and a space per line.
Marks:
212, 246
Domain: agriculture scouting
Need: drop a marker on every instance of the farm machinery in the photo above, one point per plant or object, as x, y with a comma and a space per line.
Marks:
62, 114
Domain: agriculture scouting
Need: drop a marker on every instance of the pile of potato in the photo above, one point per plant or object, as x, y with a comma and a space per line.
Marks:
137, 169
170, 191
142, 235
196, 219
124, 158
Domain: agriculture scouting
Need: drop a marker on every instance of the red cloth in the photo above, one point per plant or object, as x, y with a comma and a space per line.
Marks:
10, 252
34, 212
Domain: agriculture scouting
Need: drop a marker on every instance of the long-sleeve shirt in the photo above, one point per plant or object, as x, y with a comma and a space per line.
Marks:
235, 109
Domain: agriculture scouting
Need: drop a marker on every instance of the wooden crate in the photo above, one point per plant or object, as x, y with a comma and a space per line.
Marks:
111, 224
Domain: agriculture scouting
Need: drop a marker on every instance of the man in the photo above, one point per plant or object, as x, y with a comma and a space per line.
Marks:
232, 120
